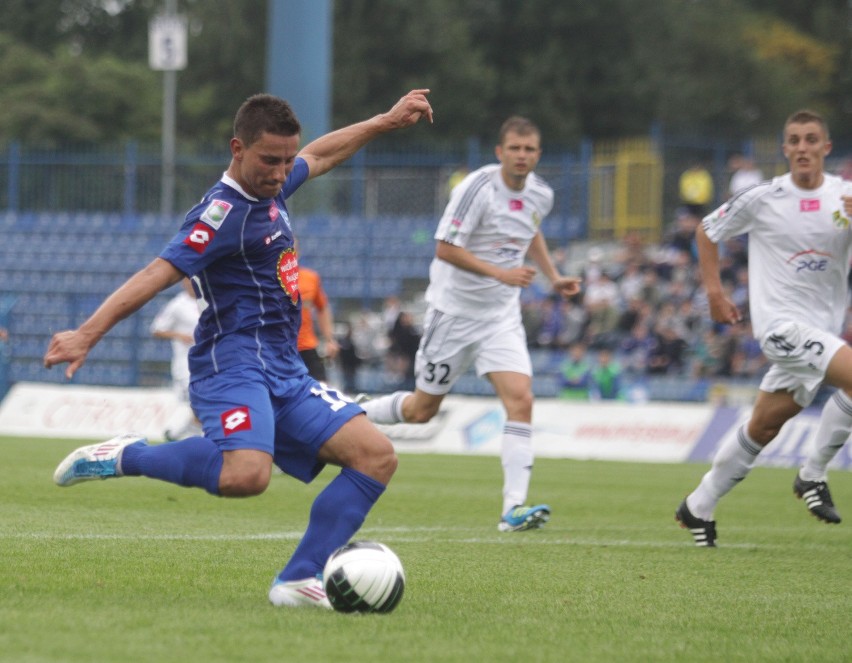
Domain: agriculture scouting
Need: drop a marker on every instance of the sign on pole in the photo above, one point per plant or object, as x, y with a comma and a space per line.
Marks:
167, 42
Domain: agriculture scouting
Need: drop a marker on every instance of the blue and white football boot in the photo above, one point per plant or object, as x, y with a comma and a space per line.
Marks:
521, 518
95, 461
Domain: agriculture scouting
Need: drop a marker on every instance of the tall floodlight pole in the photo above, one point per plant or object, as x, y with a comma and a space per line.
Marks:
167, 53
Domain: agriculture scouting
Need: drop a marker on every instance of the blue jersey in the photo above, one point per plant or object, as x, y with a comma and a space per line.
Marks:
239, 252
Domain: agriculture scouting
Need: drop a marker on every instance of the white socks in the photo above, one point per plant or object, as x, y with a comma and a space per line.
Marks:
517, 458
386, 409
516, 451
736, 456
732, 463
835, 425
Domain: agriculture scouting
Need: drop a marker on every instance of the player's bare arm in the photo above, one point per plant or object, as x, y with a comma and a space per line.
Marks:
174, 336
334, 148
566, 286
325, 323
73, 346
463, 259
722, 309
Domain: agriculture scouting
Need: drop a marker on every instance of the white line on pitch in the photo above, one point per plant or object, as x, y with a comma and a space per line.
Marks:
389, 535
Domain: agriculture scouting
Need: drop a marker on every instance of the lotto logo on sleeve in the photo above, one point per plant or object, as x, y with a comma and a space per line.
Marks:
236, 420
199, 237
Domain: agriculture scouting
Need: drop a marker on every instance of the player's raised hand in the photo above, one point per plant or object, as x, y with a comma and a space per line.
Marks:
410, 109
67, 347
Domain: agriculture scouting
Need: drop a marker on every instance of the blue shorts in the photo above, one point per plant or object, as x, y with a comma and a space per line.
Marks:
290, 419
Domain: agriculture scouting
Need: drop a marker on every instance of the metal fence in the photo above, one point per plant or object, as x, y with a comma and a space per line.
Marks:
603, 189
74, 224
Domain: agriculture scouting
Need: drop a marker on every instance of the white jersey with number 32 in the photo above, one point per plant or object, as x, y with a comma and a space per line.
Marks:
799, 249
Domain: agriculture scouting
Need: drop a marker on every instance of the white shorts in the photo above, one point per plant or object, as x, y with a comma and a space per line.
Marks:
800, 356
451, 344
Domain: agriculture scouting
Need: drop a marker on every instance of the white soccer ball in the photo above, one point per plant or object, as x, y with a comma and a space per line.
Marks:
364, 576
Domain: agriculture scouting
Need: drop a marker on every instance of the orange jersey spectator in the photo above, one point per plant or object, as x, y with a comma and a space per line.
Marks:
315, 301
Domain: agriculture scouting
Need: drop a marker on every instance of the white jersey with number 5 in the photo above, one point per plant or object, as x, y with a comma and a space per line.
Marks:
799, 248
497, 225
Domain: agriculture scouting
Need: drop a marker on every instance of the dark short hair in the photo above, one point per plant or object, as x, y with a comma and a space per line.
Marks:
805, 116
265, 113
519, 125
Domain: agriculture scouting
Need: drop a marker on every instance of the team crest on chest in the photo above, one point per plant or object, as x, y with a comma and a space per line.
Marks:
276, 212
839, 220
288, 274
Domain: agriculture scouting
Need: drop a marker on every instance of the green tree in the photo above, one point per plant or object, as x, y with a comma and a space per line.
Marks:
62, 99
77, 69
226, 64
382, 48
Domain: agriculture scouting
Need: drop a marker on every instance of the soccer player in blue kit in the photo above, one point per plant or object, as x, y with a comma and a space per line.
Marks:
250, 388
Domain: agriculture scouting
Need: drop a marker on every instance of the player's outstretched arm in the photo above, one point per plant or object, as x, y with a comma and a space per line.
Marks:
328, 151
73, 346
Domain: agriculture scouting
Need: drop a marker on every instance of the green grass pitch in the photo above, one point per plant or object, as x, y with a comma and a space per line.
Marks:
139, 570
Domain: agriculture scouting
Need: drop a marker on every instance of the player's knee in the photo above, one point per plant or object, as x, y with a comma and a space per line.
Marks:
380, 462
520, 407
387, 464
763, 433
246, 482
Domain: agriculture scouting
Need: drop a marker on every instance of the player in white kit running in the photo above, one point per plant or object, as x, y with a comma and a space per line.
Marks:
799, 250
491, 223
176, 322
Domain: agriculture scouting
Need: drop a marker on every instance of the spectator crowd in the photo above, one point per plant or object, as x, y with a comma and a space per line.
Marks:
642, 312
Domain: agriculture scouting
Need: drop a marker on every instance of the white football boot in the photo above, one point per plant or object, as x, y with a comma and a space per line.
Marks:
299, 593
95, 461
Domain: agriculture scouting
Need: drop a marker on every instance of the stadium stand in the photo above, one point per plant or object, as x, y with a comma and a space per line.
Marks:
59, 267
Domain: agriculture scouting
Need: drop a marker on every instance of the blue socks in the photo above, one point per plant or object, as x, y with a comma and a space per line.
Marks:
337, 513
194, 462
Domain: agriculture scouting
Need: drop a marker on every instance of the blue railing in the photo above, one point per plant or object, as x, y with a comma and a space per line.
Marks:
127, 179
7, 302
